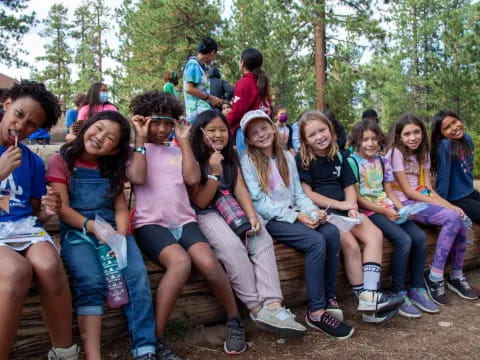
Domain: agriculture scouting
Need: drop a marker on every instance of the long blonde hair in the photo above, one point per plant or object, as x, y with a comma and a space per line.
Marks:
262, 162
306, 151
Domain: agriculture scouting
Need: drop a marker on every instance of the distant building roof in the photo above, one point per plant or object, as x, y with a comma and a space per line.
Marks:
6, 81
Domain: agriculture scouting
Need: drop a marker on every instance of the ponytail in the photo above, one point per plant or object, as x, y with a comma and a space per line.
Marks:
253, 60
263, 84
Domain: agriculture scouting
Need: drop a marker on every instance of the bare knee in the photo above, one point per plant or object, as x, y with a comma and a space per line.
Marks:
211, 269
51, 275
16, 279
350, 247
178, 265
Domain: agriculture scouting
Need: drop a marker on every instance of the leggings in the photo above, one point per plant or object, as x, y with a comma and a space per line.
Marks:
452, 240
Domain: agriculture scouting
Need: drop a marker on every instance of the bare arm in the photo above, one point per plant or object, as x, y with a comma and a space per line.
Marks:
137, 168
121, 214
192, 90
190, 168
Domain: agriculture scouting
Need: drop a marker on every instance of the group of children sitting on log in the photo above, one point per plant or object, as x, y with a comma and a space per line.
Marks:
198, 204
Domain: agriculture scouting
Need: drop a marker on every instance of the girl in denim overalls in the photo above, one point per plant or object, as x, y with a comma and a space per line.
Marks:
89, 173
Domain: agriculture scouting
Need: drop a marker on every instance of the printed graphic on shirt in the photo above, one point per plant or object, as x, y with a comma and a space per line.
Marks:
8, 186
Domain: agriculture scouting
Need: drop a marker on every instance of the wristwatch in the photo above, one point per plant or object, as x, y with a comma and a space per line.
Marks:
142, 150
84, 226
213, 177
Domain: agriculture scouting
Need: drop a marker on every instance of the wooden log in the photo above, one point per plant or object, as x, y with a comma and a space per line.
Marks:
197, 305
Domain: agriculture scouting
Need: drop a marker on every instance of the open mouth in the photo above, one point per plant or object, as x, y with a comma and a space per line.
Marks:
94, 143
322, 142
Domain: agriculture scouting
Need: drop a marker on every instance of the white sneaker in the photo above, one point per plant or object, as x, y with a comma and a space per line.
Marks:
70, 353
374, 301
279, 321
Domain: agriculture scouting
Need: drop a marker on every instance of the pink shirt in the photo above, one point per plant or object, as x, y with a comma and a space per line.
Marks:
411, 169
58, 169
163, 199
83, 112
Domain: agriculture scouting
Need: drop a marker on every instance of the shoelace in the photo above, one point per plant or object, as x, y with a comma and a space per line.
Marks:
284, 314
330, 320
464, 282
424, 294
235, 331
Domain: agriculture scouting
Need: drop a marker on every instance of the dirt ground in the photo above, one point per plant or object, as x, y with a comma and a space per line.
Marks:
454, 333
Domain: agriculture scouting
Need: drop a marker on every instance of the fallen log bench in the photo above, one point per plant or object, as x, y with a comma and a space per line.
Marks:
196, 304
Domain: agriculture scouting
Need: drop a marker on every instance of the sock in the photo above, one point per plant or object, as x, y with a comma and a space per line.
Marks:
357, 289
456, 274
435, 275
371, 275
314, 318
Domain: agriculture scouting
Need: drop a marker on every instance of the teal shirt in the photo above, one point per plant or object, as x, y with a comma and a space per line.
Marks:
170, 88
195, 74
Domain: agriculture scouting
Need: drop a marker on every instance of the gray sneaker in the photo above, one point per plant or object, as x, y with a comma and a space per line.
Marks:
379, 317
408, 310
235, 337
279, 321
422, 300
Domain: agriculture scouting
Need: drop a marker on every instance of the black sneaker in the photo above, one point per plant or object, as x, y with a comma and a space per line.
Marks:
379, 317
462, 288
235, 337
334, 310
330, 326
164, 352
436, 289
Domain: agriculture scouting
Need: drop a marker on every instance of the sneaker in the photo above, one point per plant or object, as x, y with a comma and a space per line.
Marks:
235, 337
421, 300
376, 301
70, 353
330, 326
148, 356
436, 289
164, 352
334, 310
462, 288
408, 310
279, 321
379, 317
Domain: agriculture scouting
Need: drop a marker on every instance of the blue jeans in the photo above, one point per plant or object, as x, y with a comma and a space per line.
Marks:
322, 252
240, 143
409, 243
88, 193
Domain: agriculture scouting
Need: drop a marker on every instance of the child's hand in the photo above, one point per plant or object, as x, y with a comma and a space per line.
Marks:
391, 214
215, 163
215, 101
307, 220
9, 161
353, 213
140, 125
348, 205
321, 215
459, 210
182, 128
51, 203
256, 226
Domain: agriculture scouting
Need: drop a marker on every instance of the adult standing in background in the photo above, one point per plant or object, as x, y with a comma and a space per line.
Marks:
171, 81
96, 101
252, 92
219, 87
196, 87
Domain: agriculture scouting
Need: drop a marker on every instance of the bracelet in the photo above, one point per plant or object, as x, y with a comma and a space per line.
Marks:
208, 96
142, 150
213, 177
84, 226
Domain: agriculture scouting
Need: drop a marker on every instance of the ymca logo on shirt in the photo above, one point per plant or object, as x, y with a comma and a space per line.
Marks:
8, 186
337, 171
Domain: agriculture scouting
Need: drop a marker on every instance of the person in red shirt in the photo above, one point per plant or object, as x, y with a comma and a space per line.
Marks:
252, 92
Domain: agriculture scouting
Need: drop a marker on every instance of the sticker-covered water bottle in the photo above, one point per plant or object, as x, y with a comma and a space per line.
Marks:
117, 289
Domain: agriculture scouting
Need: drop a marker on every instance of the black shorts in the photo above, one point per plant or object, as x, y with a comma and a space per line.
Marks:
152, 239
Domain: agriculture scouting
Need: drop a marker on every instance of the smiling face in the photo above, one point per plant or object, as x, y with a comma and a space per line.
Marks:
260, 134
217, 132
452, 128
22, 118
318, 137
160, 130
369, 145
411, 137
102, 138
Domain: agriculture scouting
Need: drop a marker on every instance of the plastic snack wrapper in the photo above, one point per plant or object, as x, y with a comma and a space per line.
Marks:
408, 210
24, 228
344, 223
117, 242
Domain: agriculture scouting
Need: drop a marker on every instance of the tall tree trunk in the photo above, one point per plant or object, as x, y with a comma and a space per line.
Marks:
99, 45
416, 71
320, 58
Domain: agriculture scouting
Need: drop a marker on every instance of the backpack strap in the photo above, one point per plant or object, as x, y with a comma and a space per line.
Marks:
355, 167
340, 157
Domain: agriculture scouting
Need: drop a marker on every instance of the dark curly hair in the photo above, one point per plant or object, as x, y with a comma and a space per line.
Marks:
156, 102
395, 138
202, 152
39, 93
111, 167
458, 148
356, 135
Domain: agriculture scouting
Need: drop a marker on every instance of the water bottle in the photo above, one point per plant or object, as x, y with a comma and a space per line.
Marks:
233, 214
468, 224
117, 289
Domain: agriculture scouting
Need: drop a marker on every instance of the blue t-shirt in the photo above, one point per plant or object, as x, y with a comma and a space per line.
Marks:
24, 183
70, 117
454, 176
40, 134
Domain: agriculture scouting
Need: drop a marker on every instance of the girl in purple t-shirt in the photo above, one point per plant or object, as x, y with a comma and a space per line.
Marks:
408, 153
